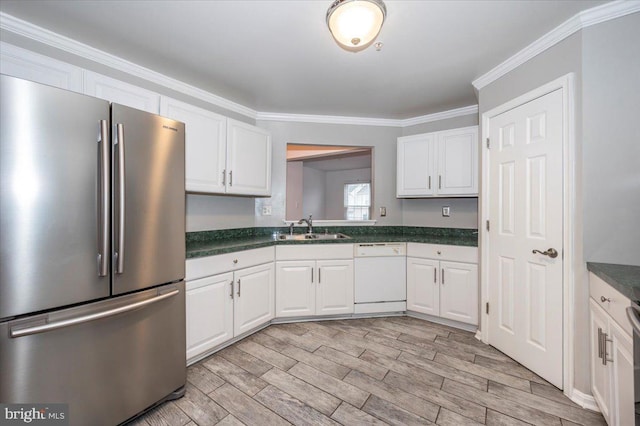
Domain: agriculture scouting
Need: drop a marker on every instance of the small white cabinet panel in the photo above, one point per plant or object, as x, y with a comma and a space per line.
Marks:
295, 290
459, 292
442, 281
334, 290
254, 298
457, 162
209, 305
423, 286
205, 143
119, 92
439, 164
612, 371
248, 159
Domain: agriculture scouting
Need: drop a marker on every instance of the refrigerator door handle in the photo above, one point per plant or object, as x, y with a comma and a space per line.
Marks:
119, 257
20, 332
103, 199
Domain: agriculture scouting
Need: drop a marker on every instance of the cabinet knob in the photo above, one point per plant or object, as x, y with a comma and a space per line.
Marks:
235, 261
604, 299
439, 252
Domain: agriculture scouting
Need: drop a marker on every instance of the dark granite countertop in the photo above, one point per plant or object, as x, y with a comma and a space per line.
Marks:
210, 243
624, 278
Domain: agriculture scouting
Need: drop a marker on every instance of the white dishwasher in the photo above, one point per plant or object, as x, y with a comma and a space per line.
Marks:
380, 277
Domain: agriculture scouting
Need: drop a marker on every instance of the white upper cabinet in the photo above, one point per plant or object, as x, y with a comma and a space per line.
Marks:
415, 165
206, 147
457, 161
248, 159
119, 92
439, 164
223, 156
27, 65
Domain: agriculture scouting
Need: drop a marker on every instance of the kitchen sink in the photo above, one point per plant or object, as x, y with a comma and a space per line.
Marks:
303, 237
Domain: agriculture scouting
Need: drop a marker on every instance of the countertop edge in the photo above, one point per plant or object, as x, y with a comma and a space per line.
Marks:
623, 278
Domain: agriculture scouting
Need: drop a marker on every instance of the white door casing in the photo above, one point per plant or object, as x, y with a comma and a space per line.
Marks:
525, 197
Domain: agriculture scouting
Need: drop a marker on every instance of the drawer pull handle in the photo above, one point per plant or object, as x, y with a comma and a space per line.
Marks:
604, 299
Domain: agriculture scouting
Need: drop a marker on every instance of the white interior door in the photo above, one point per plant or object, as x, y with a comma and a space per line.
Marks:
526, 214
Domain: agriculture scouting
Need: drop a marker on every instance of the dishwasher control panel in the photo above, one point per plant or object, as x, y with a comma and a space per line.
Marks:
379, 249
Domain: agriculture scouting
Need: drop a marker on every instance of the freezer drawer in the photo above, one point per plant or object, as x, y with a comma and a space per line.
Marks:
108, 360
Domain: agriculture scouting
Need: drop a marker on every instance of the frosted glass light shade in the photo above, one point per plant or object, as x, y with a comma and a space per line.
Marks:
355, 24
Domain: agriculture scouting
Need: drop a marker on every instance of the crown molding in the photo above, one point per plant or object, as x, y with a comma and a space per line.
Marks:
58, 41
328, 119
365, 121
584, 19
443, 115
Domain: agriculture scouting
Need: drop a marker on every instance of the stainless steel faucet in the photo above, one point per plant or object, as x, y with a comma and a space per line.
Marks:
291, 228
309, 223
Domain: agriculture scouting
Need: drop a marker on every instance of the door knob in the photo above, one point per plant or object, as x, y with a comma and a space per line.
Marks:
552, 253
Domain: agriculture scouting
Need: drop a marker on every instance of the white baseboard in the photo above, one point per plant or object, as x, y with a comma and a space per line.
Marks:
584, 400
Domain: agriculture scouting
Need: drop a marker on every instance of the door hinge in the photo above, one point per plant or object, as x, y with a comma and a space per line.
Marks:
488, 144
487, 308
488, 225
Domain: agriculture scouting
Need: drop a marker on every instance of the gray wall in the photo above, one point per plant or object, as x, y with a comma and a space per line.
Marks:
313, 190
334, 189
294, 190
611, 142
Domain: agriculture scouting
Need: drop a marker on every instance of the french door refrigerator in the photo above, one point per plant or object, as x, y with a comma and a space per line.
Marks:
92, 254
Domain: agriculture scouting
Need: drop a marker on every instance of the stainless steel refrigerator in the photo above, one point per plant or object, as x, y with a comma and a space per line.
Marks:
92, 254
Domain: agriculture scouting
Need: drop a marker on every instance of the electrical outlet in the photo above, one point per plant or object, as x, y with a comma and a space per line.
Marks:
266, 210
383, 211
446, 211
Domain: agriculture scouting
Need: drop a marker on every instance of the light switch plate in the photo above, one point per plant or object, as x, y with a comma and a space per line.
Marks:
383, 211
446, 211
266, 210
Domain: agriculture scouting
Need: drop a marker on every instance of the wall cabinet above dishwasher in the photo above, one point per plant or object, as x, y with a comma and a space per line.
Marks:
438, 164
223, 156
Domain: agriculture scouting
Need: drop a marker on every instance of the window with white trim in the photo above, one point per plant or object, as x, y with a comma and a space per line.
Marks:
357, 201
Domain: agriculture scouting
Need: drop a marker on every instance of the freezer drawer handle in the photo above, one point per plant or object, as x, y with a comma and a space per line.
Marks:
92, 317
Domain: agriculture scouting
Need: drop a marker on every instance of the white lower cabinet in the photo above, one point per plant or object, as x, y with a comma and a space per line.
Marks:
224, 305
314, 287
612, 372
443, 288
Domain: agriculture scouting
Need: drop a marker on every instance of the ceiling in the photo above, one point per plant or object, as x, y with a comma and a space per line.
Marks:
278, 56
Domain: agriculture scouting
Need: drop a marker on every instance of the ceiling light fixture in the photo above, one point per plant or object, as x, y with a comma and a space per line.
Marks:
355, 24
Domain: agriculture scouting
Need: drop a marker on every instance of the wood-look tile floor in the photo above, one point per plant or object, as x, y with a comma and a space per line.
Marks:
375, 371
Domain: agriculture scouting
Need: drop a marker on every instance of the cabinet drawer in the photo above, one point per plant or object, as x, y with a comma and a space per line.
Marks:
314, 252
443, 252
617, 305
212, 265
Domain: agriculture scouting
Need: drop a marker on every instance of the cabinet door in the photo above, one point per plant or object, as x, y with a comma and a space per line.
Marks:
295, 288
205, 143
248, 159
415, 165
600, 377
209, 305
459, 292
423, 289
27, 65
620, 351
334, 289
119, 92
254, 297
458, 162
